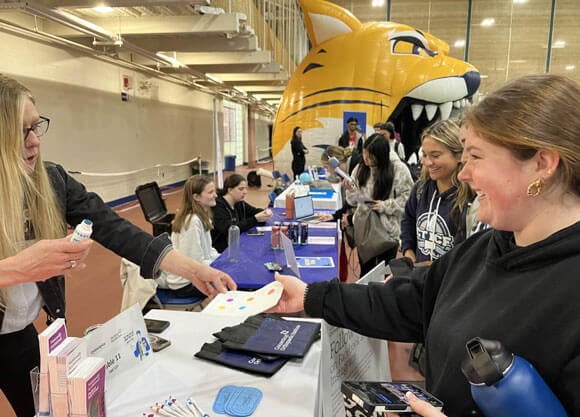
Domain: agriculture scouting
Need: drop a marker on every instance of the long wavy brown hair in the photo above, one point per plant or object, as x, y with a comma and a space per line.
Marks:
189, 206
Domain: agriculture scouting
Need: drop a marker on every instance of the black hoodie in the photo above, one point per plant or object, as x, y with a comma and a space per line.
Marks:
524, 297
427, 226
223, 216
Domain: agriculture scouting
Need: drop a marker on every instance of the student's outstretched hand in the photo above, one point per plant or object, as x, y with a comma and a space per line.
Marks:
292, 299
45, 259
212, 281
208, 280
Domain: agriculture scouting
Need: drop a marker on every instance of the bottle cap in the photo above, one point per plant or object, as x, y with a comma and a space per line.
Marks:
486, 361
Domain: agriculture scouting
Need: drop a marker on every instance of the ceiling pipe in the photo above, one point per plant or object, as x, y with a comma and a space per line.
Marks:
104, 37
64, 19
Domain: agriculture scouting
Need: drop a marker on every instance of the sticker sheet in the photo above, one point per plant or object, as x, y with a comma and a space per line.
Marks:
245, 303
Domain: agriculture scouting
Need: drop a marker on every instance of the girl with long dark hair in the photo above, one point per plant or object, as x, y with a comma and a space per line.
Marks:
299, 152
385, 184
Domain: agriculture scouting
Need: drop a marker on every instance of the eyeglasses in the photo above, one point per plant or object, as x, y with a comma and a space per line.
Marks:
39, 128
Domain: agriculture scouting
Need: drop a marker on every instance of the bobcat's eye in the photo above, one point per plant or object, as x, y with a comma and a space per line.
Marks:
410, 43
407, 48
311, 66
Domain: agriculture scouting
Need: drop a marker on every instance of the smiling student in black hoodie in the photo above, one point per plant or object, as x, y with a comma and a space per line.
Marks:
515, 282
434, 208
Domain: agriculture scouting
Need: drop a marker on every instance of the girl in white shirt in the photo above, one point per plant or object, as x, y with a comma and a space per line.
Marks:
191, 232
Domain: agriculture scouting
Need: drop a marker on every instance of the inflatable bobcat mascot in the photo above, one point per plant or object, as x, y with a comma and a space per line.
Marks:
386, 70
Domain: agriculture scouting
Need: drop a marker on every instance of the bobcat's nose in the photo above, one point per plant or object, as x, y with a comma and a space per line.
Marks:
472, 81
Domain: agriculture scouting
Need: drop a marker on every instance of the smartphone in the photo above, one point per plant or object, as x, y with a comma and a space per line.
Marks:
156, 326
158, 343
401, 267
273, 266
374, 396
255, 233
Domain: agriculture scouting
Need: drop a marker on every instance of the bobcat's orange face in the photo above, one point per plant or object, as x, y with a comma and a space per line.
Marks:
384, 69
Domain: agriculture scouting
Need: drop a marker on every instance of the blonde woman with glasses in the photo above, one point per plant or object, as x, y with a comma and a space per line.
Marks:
39, 200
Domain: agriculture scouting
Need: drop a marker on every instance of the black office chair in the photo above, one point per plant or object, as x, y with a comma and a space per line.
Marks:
154, 208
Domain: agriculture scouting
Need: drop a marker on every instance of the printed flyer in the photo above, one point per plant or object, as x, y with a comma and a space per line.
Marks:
122, 342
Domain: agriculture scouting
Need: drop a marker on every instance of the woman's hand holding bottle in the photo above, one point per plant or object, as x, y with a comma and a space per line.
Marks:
48, 258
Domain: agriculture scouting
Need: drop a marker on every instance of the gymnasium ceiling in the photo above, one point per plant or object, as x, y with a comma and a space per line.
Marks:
221, 46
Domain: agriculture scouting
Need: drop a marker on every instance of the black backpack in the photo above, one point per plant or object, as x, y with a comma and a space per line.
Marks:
414, 169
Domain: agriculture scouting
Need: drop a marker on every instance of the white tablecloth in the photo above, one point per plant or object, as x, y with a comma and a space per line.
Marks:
291, 392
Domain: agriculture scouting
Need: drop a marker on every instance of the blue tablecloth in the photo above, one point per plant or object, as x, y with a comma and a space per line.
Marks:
250, 272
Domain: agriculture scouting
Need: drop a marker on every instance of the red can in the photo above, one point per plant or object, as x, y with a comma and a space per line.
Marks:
284, 229
276, 236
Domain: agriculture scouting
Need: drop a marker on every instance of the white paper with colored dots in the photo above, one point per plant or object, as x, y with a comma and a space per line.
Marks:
245, 303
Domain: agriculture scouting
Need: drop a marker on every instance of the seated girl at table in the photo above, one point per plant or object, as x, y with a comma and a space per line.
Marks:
230, 207
191, 232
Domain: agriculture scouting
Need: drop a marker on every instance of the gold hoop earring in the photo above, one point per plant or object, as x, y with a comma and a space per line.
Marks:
535, 188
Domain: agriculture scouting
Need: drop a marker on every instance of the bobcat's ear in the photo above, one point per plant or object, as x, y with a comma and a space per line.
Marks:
326, 20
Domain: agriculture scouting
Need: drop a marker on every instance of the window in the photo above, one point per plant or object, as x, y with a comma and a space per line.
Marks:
234, 131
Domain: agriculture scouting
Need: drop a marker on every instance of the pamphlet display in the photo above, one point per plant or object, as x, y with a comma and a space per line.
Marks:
76, 374
49, 339
61, 363
87, 388
122, 342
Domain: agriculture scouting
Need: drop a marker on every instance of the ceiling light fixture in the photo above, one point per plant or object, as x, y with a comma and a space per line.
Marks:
240, 91
213, 79
378, 3
520, 1
103, 9
170, 60
488, 21
559, 44
570, 67
459, 43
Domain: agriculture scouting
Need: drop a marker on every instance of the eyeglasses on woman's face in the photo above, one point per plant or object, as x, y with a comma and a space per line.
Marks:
39, 128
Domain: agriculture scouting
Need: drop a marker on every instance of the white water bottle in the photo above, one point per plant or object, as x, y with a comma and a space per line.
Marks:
82, 231
234, 243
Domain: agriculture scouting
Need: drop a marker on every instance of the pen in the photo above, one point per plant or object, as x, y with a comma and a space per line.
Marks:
164, 411
191, 403
170, 406
160, 411
183, 411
